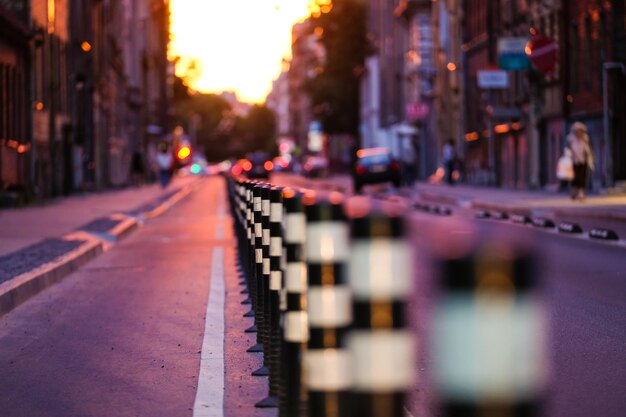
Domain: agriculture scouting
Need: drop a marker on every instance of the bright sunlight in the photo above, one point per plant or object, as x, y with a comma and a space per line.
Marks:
233, 45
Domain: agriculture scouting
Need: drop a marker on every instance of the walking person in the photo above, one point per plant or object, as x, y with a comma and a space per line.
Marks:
582, 157
449, 161
164, 162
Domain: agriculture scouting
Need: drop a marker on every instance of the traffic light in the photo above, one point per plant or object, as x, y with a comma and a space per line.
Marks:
183, 155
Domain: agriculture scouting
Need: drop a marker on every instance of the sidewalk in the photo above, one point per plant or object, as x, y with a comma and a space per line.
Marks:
39, 246
531, 203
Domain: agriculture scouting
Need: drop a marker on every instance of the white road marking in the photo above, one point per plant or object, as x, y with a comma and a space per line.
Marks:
210, 394
407, 413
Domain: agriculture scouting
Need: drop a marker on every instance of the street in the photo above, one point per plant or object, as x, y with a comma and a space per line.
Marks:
123, 335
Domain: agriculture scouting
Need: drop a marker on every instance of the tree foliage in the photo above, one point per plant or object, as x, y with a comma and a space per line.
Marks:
334, 91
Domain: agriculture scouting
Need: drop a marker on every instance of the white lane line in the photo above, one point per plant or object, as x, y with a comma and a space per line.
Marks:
407, 413
210, 394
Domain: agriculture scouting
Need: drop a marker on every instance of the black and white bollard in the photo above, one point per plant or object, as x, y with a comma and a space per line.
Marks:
381, 344
329, 307
489, 334
295, 331
257, 268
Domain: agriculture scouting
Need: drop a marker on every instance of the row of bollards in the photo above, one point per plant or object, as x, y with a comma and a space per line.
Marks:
329, 296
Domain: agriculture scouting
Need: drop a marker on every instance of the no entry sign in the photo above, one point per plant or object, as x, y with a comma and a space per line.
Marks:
543, 53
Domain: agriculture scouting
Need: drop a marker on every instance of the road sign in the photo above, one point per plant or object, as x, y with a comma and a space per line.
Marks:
512, 54
493, 79
543, 53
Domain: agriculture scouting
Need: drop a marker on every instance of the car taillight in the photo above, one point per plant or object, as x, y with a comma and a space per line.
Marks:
268, 165
360, 170
395, 166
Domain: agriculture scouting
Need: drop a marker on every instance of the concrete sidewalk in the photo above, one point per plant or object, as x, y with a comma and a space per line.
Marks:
39, 246
532, 203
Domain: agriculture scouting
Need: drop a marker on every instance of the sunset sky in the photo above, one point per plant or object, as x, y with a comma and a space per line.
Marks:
238, 44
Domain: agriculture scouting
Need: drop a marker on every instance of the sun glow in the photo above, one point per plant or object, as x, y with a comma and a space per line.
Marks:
233, 45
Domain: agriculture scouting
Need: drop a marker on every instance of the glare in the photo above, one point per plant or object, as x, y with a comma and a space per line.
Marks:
184, 152
234, 45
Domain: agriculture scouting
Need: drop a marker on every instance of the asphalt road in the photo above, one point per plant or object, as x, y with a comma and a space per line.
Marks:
584, 294
123, 335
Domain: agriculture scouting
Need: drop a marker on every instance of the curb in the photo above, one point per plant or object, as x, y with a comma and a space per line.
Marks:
20, 288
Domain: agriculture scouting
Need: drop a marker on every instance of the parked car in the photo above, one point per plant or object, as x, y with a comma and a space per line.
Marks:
261, 165
315, 166
375, 165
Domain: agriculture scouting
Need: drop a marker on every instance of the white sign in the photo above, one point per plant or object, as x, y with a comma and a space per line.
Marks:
493, 79
512, 45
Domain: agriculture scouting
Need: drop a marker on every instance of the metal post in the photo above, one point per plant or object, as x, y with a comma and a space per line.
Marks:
605, 110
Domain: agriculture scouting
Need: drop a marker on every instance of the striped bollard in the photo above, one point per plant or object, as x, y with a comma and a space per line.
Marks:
274, 281
257, 268
295, 331
329, 308
250, 265
489, 335
381, 344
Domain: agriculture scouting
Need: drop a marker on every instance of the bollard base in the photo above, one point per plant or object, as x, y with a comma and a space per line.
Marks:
269, 402
249, 314
251, 329
256, 348
246, 301
262, 371
244, 291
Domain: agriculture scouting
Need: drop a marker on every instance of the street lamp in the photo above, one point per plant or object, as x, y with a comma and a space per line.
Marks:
607, 134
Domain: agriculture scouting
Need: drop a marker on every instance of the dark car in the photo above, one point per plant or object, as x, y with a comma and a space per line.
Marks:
375, 165
261, 165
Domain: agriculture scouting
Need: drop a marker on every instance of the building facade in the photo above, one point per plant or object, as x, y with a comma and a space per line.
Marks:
15, 109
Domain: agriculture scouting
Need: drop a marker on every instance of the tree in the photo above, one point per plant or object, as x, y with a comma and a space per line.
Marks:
259, 128
334, 91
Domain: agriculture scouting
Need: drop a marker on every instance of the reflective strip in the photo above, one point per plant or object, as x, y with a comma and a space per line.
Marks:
257, 203
328, 370
265, 208
489, 347
276, 212
259, 255
266, 237
380, 268
383, 360
295, 227
326, 242
248, 215
276, 246
266, 266
258, 230
329, 306
275, 280
249, 232
296, 327
296, 277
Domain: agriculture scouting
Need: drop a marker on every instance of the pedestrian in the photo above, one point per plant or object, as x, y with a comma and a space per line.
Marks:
137, 168
449, 160
565, 169
582, 158
164, 162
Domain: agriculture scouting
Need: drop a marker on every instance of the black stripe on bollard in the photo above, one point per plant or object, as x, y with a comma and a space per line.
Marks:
567, 227
604, 234
295, 332
488, 326
328, 373
381, 346
482, 214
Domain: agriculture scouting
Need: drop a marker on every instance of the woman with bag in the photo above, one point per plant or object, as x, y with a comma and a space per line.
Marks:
582, 158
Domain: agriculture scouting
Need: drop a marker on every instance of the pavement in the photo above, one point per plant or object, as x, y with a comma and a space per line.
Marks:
596, 211
40, 245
